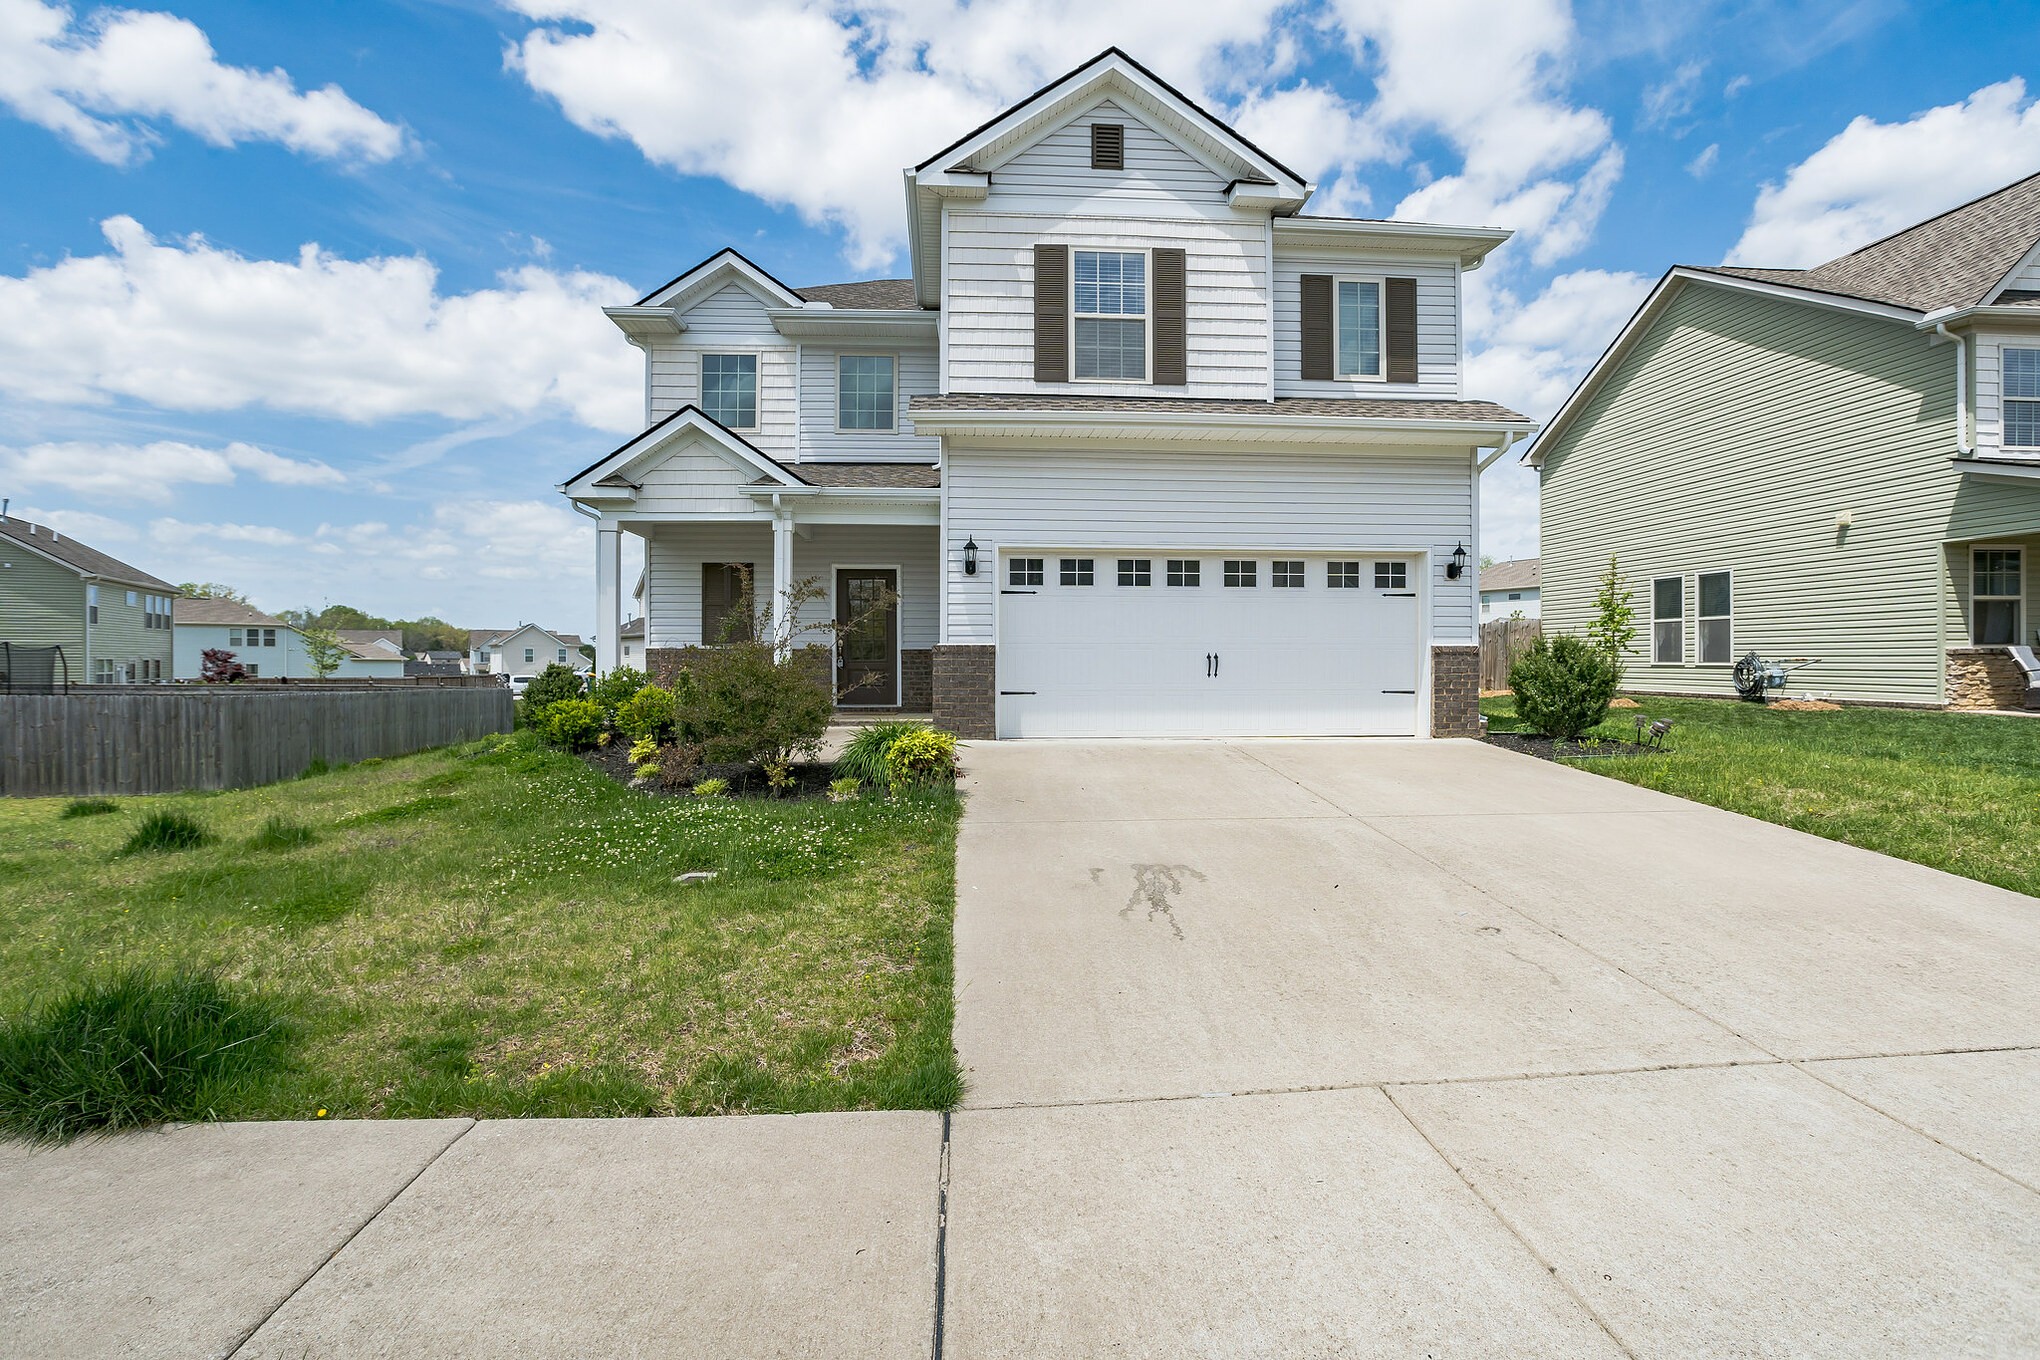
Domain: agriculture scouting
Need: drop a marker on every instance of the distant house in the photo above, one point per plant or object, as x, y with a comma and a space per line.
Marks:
1510, 590
437, 663
111, 619
389, 640
523, 650
265, 645
632, 639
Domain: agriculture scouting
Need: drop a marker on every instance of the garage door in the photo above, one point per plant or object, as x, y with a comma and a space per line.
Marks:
1137, 643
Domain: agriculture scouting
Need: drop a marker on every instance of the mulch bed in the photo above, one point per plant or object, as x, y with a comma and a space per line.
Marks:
745, 781
1548, 748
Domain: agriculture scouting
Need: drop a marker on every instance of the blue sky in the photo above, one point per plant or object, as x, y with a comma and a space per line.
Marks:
306, 297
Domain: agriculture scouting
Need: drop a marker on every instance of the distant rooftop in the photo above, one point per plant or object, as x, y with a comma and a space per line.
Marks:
86, 561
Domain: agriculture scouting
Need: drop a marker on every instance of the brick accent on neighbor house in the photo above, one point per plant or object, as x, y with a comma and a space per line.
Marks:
1455, 691
1985, 677
917, 680
966, 684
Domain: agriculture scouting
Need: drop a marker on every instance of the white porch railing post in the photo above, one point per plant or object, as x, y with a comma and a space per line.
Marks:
782, 580
608, 595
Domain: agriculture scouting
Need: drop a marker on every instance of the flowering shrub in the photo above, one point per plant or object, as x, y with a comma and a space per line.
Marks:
921, 758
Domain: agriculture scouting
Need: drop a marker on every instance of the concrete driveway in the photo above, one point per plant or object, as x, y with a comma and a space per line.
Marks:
1341, 1048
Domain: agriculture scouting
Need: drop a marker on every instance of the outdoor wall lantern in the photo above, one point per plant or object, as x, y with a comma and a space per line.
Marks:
970, 557
1456, 568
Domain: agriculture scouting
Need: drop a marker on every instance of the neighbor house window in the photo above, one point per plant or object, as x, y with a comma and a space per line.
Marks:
1668, 620
563, 656
134, 598
1136, 571
1716, 621
92, 605
1076, 571
527, 656
1110, 314
1391, 576
2022, 398
1241, 573
729, 390
1995, 581
1184, 572
1361, 328
1024, 571
1286, 575
102, 672
252, 670
864, 392
1342, 575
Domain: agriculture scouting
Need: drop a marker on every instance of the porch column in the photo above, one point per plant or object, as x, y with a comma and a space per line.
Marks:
782, 576
608, 595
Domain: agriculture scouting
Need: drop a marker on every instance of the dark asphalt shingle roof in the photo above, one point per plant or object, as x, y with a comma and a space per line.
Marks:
885, 295
1356, 408
910, 476
208, 610
1953, 260
85, 560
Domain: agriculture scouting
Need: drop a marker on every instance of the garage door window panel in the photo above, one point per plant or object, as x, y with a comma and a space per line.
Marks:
1286, 574
1391, 576
1136, 571
1024, 571
1668, 621
1241, 574
1185, 572
1342, 575
1077, 571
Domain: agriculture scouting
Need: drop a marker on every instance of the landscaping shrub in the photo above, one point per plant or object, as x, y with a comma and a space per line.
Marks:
920, 758
645, 750
1563, 686
647, 714
166, 831
548, 687
618, 685
844, 790
863, 758
134, 1049
571, 724
678, 764
281, 833
89, 807
711, 788
742, 704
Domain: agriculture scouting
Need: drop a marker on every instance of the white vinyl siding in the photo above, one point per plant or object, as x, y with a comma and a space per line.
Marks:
730, 320
693, 476
675, 553
1437, 321
1158, 174
914, 374
1252, 503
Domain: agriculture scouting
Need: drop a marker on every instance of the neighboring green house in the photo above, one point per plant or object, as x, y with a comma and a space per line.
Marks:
1840, 462
111, 619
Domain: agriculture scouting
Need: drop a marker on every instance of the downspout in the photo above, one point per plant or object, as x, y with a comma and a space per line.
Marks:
1962, 445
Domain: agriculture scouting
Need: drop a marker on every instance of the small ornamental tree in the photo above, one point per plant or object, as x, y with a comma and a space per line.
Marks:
217, 666
548, 687
324, 651
1613, 628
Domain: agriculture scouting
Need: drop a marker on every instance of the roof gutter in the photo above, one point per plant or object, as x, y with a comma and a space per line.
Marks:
1961, 343
977, 421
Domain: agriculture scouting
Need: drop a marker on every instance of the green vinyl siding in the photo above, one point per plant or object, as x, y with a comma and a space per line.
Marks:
1730, 437
122, 635
42, 604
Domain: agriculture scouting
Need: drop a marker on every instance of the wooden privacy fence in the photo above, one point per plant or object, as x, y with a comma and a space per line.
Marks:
166, 738
1501, 642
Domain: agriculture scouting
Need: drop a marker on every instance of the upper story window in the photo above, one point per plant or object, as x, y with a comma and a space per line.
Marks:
2022, 398
864, 392
92, 604
1109, 310
1108, 146
1363, 326
729, 390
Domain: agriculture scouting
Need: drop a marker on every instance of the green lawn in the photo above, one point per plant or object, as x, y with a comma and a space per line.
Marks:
1960, 792
496, 930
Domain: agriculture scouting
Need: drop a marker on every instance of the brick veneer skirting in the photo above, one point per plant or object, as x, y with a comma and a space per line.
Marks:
917, 680
1455, 691
966, 691
1985, 677
663, 663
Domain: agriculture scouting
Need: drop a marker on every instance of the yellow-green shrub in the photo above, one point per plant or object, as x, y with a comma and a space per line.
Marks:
921, 758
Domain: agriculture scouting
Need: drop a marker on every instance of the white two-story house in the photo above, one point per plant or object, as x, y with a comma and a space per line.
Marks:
1140, 448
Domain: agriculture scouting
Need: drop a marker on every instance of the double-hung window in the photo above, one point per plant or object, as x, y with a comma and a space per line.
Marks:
1996, 576
729, 390
2022, 398
1717, 618
1109, 313
864, 392
1668, 621
1362, 328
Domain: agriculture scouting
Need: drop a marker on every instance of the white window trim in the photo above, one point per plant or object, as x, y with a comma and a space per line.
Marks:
2005, 400
1700, 618
1380, 282
1147, 316
2018, 601
758, 395
1655, 620
843, 354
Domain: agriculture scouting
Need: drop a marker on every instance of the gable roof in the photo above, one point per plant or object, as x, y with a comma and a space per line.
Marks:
879, 295
371, 636
87, 561
207, 610
739, 450
1524, 573
728, 260
1959, 258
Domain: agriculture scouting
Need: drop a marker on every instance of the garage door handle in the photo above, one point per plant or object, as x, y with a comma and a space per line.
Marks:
1214, 663
1025, 691
1398, 691
1019, 592
1398, 594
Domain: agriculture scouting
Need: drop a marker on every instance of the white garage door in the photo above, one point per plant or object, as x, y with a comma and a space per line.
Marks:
1137, 643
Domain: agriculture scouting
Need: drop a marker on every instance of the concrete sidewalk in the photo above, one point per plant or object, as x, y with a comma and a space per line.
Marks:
1277, 1049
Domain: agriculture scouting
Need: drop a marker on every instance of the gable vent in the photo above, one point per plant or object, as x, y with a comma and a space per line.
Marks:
1108, 146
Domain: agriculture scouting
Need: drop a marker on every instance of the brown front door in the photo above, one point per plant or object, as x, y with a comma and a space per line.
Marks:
867, 645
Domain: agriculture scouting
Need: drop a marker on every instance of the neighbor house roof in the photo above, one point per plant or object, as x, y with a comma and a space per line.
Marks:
393, 636
1957, 259
488, 638
634, 629
1357, 408
196, 611
368, 651
1521, 574
86, 561
482, 637
885, 295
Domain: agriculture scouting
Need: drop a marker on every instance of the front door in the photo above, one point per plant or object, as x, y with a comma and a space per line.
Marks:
867, 637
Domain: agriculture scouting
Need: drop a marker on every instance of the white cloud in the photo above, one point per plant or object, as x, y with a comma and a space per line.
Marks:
98, 530
1872, 178
1672, 98
188, 326
151, 472
94, 81
1328, 139
1702, 165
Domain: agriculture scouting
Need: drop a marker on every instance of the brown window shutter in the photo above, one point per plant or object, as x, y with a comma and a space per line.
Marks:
1317, 327
1402, 330
1171, 301
725, 587
1108, 146
1052, 314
